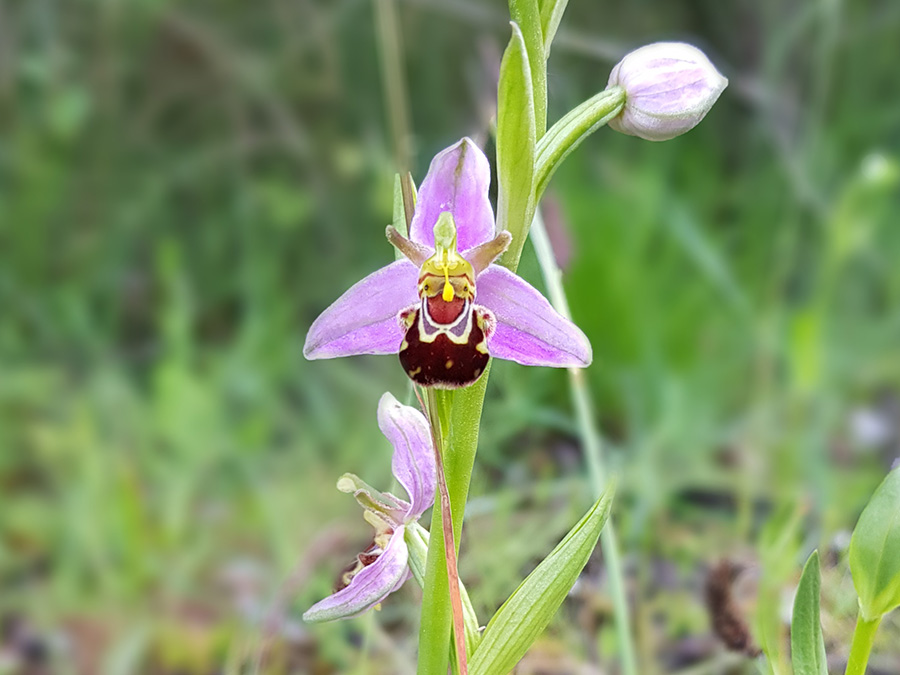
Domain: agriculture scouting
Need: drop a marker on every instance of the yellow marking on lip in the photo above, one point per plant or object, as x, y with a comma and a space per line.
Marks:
449, 364
413, 373
447, 294
446, 261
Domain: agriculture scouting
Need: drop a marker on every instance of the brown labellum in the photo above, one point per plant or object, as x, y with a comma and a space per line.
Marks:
445, 345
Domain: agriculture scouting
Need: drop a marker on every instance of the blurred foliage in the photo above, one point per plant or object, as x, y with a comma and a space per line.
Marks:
185, 185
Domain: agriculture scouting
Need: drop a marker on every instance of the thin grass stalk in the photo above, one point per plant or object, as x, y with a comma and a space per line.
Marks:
390, 53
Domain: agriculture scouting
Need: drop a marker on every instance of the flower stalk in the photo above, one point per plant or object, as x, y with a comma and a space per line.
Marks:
417, 539
456, 607
460, 412
568, 133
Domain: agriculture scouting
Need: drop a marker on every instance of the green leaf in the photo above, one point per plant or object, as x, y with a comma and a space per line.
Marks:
515, 146
568, 133
807, 643
527, 15
875, 551
551, 14
523, 617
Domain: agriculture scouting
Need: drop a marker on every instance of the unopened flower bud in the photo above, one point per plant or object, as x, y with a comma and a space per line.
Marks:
669, 87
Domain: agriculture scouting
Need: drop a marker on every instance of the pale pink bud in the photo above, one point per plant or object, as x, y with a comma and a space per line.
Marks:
669, 87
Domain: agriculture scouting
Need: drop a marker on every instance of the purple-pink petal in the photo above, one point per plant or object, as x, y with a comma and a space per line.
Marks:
529, 331
458, 181
364, 319
413, 462
369, 587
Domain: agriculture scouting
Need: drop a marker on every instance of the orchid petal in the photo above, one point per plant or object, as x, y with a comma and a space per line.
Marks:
364, 319
457, 181
413, 463
529, 331
369, 587
391, 510
415, 253
482, 256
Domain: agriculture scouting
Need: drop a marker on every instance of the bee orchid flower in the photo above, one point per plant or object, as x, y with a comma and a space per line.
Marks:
383, 567
426, 307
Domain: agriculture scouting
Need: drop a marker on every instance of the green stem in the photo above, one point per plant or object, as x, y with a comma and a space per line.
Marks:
460, 415
568, 133
417, 539
593, 451
459, 633
863, 637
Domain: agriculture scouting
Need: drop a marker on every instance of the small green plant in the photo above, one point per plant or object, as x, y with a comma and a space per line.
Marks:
875, 566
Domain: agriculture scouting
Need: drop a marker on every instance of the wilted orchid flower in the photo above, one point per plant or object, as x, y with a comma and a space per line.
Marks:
669, 87
424, 308
382, 568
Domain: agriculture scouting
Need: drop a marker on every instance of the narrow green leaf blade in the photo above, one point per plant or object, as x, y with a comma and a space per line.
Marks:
523, 617
527, 15
875, 551
515, 146
551, 14
807, 643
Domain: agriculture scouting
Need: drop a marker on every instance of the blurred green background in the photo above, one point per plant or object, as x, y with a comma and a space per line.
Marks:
184, 186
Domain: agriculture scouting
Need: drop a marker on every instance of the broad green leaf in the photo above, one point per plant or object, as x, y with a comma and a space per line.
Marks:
523, 617
515, 146
567, 134
807, 643
875, 551
551, 14
527, 15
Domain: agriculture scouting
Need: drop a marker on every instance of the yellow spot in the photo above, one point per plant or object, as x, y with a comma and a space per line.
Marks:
449, 364
413, 373
477, 373
447, 295
446, 261
403, 345
482, 347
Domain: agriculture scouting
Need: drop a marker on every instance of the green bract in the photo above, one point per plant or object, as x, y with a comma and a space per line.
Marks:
875, 551
515, 146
